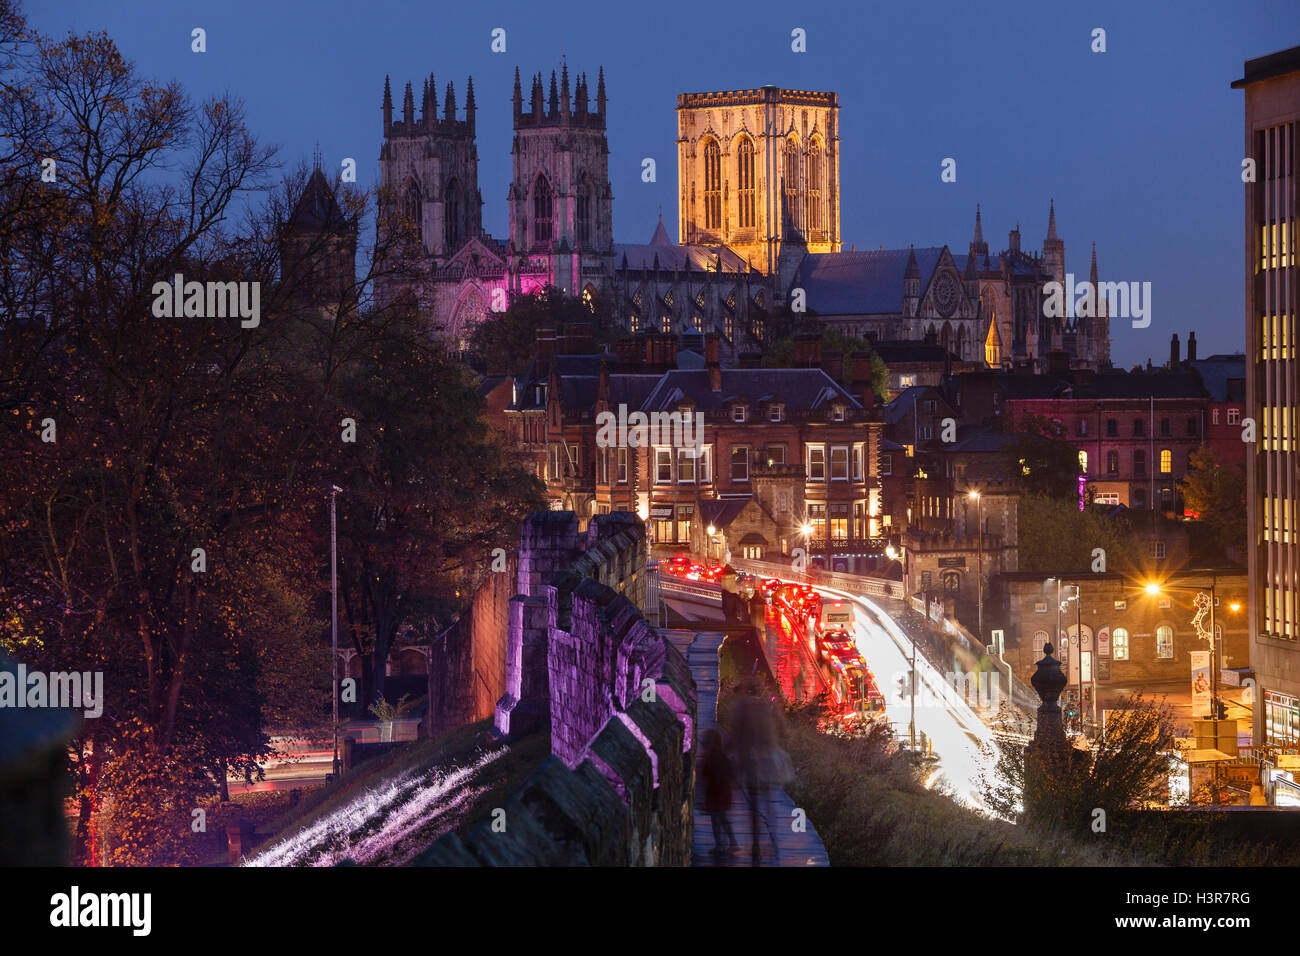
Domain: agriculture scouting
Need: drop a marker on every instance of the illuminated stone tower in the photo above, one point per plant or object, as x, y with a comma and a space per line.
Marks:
429, 168
757, 170
561, 204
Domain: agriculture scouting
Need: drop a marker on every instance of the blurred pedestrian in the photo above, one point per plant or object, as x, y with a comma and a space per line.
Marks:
719, 780
754, 735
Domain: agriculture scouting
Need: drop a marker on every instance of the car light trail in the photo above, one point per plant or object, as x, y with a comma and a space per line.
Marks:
414, 810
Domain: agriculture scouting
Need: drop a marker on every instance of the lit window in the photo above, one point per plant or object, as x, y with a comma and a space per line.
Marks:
1083, 462
1119, 644
1234, 416
738, 413
1166, 461
1164, 642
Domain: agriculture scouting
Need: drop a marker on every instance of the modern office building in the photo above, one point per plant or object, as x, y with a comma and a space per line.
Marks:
1272, 87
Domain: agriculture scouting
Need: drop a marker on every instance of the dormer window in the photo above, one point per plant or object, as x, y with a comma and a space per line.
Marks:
837, 413
776, 412
738, 413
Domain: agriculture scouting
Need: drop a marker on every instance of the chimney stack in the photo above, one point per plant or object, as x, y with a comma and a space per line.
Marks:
545, 349
1174, 352
1191, 346
808, 350
711, 361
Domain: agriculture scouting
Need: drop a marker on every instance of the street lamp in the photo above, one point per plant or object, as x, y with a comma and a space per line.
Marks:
708, 545
807, 529
979, 561
335, 490
1154, 588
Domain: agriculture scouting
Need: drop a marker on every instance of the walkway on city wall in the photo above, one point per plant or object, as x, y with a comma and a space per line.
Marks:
794, 849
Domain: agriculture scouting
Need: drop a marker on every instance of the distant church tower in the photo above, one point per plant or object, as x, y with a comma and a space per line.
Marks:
561, 204
429, 168
759, 169
318, 248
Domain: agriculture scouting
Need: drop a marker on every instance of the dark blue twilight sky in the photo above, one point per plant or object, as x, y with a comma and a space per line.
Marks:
1141, 146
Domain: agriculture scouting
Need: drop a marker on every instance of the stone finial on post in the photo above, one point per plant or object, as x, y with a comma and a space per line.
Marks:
1048, 682
1048, 762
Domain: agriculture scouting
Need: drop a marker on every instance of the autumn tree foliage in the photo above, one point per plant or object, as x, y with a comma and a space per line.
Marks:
164, 481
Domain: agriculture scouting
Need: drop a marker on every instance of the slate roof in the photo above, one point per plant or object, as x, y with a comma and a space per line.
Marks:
1103, 385
896, 352
861, 283
720, 512
907, 399
1215, 374
1129, 385
981, 440
317, 207
799, 388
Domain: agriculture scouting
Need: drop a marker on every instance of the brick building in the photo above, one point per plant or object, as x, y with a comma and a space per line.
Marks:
1134, 431
1134, 637
780, 449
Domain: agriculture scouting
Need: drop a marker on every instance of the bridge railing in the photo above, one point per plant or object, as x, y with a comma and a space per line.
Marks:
852, 583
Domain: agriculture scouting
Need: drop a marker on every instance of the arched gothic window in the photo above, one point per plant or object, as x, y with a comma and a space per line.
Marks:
791, 179
451, 215
712, 185
814, 200
543, 211
414, 212
745, 182
582, 215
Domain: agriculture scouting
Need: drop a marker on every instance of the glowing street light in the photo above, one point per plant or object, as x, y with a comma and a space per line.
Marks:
1154, 587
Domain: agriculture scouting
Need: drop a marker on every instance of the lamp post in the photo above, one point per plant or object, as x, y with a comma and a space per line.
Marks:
708, 545
979, 562
807, 530
334, 619
1078, 636
1154, 588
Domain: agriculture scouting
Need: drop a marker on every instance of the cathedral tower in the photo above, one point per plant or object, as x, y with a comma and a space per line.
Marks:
758, 168
561, 204
429, 167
